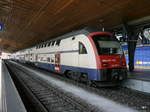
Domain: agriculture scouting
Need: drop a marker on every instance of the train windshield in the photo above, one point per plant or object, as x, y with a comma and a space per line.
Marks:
107, 45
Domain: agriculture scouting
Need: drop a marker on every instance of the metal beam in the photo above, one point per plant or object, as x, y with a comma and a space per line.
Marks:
132, 35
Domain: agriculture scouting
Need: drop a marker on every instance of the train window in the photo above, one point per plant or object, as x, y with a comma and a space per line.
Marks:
49, 43
104, 38
107, 45
48, 59
82, 49
58, 42
53, 43
52, 60
73, 38
45, 44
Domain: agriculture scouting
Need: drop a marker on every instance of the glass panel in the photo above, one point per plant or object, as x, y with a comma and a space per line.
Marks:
82, 49
107, 45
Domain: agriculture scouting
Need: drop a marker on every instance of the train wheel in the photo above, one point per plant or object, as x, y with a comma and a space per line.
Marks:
84, 79
76, 76
89, 82
69, 74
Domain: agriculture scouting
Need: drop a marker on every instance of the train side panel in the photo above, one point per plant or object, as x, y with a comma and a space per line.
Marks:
72, 60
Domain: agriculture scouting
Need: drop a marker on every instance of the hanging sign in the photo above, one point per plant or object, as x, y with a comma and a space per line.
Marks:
1, 27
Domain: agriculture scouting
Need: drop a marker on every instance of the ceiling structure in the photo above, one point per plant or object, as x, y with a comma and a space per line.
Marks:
27, 22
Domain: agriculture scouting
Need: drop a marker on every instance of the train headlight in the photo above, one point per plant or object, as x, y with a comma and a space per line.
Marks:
123, 64
105, 64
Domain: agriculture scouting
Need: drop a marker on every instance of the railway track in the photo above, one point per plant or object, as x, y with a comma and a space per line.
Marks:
47, 97
123, 96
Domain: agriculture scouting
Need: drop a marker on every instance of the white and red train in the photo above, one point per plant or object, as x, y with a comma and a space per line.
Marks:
83, 55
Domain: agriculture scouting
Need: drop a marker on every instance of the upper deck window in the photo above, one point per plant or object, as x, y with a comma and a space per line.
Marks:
49, 44
42, 46
53, 43
45, 44
58, 42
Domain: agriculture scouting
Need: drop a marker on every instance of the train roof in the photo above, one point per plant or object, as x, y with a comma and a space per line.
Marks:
85, 31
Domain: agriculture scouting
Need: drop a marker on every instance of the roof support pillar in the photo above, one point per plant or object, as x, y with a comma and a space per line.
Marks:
132, 35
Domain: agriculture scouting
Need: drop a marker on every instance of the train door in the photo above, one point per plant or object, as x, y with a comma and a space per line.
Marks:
57, 63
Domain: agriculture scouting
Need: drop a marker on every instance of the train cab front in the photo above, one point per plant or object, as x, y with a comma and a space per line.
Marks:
110, 58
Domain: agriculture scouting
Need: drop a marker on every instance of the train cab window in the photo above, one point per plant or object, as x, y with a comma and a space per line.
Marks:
107, 45
82, 49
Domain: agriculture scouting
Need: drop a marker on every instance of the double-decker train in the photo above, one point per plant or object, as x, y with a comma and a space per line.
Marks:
86, 55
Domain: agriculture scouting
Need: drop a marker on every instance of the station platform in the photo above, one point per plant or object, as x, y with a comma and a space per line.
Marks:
140, 74
10, 100
138, 80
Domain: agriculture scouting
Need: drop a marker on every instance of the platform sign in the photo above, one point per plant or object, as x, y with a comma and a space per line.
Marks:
1, 27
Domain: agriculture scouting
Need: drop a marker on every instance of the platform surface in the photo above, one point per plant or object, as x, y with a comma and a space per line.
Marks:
138, 80
10, 100
140, 74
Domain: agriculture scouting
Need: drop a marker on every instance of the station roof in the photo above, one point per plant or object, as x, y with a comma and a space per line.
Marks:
27, 22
